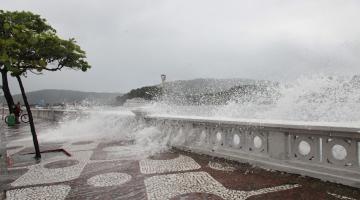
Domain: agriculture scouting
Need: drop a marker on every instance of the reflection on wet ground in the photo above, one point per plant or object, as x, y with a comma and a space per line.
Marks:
96, 171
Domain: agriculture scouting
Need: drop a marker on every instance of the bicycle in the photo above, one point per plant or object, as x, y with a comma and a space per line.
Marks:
23, 118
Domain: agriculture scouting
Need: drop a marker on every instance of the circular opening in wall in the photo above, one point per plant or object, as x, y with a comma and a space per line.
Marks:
236, 139
218, 136
304, 148
257, 142
339, 152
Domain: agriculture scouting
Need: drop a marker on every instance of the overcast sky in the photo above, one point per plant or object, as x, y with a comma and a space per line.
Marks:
129, 43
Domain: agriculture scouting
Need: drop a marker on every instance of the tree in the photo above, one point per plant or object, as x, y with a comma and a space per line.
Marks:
29, 44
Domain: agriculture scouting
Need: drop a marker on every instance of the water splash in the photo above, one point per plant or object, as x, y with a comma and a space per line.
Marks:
93, 125
317, 98
110, 126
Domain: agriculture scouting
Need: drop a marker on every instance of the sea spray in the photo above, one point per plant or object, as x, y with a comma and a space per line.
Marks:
316, 98
320, 98
107, 127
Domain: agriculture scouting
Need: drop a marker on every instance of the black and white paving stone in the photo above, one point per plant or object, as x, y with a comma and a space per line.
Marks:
170, 186
109, 179
54, 192
181, 163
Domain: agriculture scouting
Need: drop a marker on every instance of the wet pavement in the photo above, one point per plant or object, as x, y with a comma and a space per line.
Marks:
98, 170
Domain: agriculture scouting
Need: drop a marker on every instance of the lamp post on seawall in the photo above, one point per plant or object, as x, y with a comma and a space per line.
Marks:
163, 79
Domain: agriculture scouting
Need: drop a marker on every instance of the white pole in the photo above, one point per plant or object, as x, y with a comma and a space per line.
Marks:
163, 79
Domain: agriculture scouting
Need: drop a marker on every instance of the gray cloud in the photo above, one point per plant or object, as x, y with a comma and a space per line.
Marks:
131, 42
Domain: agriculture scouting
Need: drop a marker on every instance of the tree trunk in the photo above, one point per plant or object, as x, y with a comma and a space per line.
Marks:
31, 121
6, 90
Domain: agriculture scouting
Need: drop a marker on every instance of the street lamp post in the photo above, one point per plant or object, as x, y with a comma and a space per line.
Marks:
163, 79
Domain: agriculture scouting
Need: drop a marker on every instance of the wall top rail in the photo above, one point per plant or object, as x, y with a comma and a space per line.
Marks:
276, 124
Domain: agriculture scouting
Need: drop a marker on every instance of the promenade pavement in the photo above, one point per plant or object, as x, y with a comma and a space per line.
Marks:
100, 169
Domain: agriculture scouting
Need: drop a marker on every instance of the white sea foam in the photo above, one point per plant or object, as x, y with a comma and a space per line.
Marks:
118, 124
318, 98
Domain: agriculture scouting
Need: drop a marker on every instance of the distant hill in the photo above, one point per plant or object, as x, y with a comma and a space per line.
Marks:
52, 97
205, 86
201, 91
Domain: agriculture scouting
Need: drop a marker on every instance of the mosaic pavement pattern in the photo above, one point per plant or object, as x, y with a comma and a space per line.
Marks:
169, 186
109, 179
94, 172
221, 166
44, 192
182, 163
39, 174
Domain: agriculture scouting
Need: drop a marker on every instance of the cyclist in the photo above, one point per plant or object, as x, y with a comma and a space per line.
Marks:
17, 112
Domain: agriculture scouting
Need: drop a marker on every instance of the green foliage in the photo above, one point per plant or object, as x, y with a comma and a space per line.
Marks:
147, 93
29, 43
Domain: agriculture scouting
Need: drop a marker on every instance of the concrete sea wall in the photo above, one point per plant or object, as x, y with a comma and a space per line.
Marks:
329, 153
